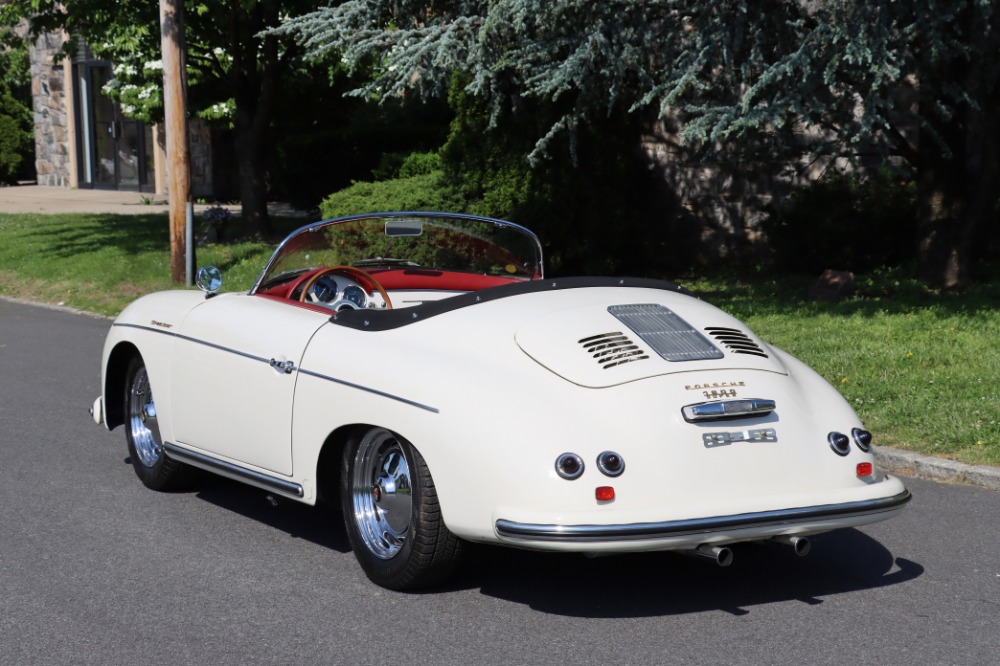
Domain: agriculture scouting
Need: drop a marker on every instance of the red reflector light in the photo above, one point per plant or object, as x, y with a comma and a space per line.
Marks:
865, 469
604, 493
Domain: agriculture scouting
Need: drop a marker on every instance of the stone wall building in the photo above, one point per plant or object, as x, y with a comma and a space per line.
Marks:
54, 150
82, 140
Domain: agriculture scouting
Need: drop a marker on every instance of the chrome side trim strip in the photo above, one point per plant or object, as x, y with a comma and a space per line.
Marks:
672, 528
268, 361
229, 469
230, 350
197, 342
383, 394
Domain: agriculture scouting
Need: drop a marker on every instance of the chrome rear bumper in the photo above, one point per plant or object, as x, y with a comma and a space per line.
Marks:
679, 528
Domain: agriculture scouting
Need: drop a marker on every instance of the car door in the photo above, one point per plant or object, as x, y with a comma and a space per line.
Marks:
234, 369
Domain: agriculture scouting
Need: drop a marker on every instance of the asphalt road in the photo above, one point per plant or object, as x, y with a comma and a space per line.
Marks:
95, 569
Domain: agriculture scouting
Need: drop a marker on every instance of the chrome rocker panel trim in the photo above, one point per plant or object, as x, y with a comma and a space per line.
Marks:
675, 528
252, 477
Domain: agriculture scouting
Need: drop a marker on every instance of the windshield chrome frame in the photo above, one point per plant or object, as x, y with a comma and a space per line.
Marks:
315, 226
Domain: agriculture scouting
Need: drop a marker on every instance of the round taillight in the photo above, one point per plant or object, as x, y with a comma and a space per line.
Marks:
610, 463
839, 442
569, 466
862, 438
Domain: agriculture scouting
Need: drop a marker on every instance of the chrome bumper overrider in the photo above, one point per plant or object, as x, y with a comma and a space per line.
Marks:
97, 411
674, 528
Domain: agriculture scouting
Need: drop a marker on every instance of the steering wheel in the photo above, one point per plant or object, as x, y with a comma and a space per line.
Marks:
348, 271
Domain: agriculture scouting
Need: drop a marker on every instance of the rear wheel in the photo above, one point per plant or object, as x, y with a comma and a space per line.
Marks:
392, 514
142, 431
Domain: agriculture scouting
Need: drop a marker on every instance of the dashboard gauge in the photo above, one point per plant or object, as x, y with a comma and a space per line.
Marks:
325, 290
355, 295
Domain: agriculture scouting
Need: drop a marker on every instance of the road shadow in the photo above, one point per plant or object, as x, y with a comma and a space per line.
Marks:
659, 584
625, 585
322, 525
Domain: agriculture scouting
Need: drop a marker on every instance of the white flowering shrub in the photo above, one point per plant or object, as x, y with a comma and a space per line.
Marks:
138, 90
137, 85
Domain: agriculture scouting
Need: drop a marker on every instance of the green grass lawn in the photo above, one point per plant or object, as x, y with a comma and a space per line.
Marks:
100, 263
922, 368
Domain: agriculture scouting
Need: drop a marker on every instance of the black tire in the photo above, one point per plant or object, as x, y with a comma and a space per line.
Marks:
142, 431
392, 514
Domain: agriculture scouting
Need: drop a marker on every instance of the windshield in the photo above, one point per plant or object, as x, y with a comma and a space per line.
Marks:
429, 241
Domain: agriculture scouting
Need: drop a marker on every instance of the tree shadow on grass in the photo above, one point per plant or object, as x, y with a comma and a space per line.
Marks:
92, 234
134, 235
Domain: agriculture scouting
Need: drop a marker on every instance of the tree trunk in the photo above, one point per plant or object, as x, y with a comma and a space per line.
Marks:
958, 183
251, 153
945, 223
957, 200
255, 72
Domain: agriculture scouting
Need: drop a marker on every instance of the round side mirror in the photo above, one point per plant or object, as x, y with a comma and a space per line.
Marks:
209, 279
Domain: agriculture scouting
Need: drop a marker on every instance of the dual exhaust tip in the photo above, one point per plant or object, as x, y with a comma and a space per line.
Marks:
723, 555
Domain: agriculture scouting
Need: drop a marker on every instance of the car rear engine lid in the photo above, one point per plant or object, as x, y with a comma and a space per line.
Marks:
605, 345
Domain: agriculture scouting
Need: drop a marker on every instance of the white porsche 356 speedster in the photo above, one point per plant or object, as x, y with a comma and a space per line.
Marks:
420, 369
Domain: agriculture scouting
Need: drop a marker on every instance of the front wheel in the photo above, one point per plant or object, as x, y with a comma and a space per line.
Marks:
392, 514
142, 431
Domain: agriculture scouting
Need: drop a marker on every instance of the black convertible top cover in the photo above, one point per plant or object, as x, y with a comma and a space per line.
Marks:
384, 320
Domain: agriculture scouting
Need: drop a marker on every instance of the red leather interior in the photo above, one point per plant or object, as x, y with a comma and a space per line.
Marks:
398, 279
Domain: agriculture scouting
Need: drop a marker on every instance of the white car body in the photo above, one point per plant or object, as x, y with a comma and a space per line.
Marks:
491, 386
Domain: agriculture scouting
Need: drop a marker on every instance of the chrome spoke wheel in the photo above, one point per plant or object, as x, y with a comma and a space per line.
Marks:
143, 427
381, 493
391, 511
142, 431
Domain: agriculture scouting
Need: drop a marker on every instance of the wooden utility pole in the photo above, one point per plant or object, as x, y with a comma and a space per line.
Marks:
176, 130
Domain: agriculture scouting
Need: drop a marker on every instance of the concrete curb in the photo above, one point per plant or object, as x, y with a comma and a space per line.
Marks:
56, 307
936, 469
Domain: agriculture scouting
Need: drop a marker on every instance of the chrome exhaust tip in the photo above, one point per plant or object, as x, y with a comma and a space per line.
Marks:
801, 545
721, 555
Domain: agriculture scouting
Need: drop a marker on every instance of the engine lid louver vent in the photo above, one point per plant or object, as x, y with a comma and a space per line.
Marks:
611, 349
666, 333
736, 341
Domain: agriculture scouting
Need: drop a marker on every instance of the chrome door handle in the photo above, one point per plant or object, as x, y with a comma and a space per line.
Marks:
285, 366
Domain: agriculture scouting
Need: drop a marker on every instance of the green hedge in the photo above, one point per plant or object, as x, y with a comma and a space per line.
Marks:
422, 192
17, 143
